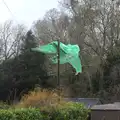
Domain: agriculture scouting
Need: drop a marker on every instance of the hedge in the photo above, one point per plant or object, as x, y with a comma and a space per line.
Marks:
72, 111
20, 114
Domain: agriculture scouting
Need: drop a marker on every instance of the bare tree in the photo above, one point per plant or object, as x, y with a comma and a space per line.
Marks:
11, 37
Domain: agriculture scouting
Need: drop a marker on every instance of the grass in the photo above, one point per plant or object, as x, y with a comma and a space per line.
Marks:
42, 98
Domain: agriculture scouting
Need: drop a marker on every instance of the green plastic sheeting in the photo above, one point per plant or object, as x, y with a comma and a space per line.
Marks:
68, 54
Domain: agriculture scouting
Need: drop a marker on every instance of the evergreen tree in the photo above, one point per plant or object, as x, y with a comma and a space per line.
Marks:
34, 68
24, 71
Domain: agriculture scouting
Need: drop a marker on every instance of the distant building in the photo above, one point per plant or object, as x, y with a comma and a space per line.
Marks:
88, 102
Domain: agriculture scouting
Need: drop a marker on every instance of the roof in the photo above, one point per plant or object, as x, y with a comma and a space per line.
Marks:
88, 102
114, 106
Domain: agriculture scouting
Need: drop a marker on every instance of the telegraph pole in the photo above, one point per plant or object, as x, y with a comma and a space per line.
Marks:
58, 72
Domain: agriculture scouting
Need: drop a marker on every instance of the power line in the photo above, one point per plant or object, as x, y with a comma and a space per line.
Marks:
9, 10
14, 17
7, 7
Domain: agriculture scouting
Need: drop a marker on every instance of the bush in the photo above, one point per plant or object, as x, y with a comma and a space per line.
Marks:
6, 115
51, 107
70, 111
20, 114
41, 98
4, 105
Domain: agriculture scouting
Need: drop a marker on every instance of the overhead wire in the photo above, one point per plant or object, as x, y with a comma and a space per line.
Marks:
7, 7
9, 10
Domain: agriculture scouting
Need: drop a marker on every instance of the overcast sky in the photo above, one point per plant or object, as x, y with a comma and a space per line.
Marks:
25, 11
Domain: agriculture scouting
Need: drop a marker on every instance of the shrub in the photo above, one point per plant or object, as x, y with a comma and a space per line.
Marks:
6, 115
20, 114
51, 107
28, 114
70, 111
40, 99
4, 105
